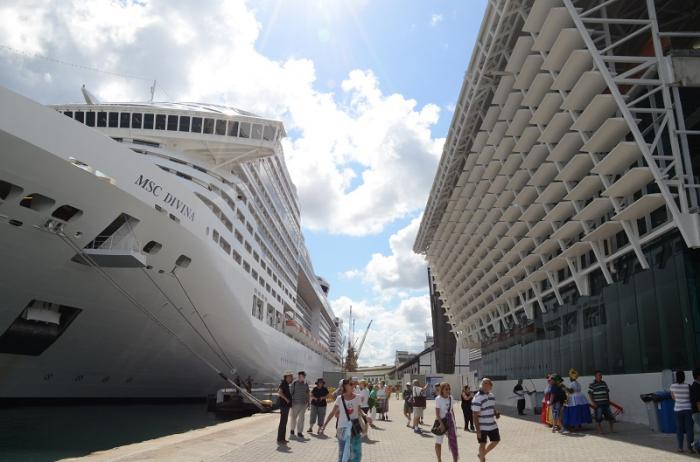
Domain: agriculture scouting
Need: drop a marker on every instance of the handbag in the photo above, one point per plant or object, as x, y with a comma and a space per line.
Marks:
356, 428
419, 401
440, 425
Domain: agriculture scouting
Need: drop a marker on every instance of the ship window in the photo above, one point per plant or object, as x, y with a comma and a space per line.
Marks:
225, 245
80, 116
174, 218
268, 133
256, 257
101, 119
148, 121
220, 127
8, 190
67, 213
246, 266
160, 121
254, 274
37, 202
152, 247
37, 327
125, 120
90, 117
183, 261
172, 123
247, 246
184, 123
136, 120
237, 257
208, 126
257, 131
244, 130
113, 119
232, 128
196, 125
68, 114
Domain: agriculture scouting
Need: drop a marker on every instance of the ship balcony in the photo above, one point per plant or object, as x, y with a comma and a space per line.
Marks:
113, 252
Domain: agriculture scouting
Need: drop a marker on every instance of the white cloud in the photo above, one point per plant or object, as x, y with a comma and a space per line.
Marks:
399, 273
359, 156
403, 328
435, 19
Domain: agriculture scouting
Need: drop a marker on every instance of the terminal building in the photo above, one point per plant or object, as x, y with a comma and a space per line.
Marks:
563, 223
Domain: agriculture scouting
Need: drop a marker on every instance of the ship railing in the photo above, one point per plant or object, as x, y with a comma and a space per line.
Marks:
114, 242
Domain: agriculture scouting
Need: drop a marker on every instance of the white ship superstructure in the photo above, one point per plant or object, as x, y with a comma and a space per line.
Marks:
148, 245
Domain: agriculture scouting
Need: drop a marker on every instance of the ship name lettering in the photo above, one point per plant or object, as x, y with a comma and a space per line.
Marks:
149, 185
181, 207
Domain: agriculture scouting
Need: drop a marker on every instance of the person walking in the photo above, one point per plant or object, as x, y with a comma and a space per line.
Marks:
349, 413
419, 403
577, 412
466, 399
319, 394
485, 415
680, 392
519, 393
300, 402
285, 403
695, 406
599, 397
381, 400
407, 405
445, 415
363, 392
557, 400
372, 401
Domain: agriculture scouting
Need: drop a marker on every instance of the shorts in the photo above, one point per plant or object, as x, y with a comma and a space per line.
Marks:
557, 410
602, 411
492, 435
418, 412
407, 408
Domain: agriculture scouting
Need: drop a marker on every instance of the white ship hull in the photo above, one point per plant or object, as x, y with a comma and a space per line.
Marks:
111, 349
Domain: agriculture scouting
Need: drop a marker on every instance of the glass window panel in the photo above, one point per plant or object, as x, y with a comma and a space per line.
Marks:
80, 116
220, 127
269, 133
172, 123
184, 123
196, 125
614, 332
257, 131
101, 119
125, 120
209, 126
244, 130
136, 120
232, 128
160, 122
90, 117
113, 119
148, 121
68, 114
630, 326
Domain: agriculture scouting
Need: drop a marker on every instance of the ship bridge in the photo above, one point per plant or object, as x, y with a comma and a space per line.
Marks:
218, 135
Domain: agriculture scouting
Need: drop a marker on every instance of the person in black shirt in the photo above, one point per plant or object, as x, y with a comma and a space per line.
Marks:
557, 400
285, 403
318, 404
519, 392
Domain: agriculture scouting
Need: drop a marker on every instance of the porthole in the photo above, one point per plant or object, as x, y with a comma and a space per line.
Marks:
9, 191
37, 202
67, 213
152, 247
15, 222
183, 261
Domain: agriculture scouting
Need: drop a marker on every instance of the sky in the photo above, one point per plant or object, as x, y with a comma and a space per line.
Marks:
366, 91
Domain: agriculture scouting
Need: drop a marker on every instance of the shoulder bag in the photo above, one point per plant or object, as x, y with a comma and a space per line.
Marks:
440, 425
419, 401
356, 428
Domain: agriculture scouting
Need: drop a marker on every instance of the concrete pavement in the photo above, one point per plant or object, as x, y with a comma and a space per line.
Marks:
524, 439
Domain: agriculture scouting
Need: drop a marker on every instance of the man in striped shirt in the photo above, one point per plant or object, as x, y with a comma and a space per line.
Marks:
599, 396
485, 415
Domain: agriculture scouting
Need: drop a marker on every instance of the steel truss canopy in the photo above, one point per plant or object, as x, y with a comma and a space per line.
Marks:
568, 149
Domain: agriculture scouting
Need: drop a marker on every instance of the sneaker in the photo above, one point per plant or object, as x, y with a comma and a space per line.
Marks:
310, 430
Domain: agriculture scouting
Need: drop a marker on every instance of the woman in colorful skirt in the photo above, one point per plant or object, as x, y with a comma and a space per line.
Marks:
577, 411
546, 414
445, 415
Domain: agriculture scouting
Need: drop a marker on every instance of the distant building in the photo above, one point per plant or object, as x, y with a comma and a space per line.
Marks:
402, 357
374, 374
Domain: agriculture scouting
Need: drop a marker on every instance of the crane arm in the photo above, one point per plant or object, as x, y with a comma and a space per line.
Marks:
359, 348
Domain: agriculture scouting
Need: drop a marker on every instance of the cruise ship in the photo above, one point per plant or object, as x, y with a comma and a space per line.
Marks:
563, 226
151, 250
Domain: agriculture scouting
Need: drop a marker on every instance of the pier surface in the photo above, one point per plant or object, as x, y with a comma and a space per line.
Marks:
524, 439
